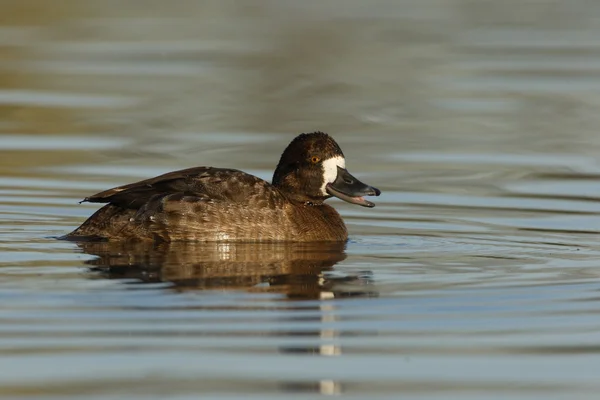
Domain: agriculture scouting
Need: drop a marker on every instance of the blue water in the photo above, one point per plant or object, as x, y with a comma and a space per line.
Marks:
476, 276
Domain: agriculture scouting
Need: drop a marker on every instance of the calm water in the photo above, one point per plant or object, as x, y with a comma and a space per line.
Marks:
477, 276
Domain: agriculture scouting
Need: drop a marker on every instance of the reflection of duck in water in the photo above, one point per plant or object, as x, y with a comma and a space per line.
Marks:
214, 204
298, 270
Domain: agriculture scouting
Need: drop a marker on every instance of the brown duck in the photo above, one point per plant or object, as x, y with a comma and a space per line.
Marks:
217, 204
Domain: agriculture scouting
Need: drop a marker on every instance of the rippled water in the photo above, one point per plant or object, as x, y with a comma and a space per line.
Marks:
476, 276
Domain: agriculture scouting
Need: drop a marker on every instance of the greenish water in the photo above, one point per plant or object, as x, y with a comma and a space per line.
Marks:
477, 275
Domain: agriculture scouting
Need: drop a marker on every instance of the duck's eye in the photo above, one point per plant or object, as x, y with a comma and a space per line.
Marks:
315, 159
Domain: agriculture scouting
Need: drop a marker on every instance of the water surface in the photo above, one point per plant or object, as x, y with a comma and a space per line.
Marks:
476, 276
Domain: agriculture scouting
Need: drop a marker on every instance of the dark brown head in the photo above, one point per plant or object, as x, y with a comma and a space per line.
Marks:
313, 168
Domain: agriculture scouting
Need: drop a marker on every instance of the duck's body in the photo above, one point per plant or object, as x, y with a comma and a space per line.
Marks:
214, 204
208, 204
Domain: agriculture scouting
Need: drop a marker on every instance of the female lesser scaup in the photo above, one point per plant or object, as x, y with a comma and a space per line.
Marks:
216, 204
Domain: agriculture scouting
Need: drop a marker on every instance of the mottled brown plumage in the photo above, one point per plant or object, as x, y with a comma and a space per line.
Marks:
216, 204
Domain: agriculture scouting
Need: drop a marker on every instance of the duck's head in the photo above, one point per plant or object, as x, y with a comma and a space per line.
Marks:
313, 168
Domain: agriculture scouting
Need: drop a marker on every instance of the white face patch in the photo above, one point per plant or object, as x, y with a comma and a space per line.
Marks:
330, 171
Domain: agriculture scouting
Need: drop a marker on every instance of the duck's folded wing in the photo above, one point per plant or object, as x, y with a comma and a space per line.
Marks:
207, 182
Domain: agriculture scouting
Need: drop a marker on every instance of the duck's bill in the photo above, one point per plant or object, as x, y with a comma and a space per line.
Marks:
350, 189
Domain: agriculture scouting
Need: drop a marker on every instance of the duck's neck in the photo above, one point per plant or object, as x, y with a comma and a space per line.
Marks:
295, 197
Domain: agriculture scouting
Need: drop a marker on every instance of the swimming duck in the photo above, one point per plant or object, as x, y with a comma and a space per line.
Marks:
216, 204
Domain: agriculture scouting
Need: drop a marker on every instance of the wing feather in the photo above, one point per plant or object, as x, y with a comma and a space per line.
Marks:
206, 182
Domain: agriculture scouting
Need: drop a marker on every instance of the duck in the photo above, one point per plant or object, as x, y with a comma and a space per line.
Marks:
209, 204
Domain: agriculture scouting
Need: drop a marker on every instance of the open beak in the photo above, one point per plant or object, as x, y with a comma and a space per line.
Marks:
350, 189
